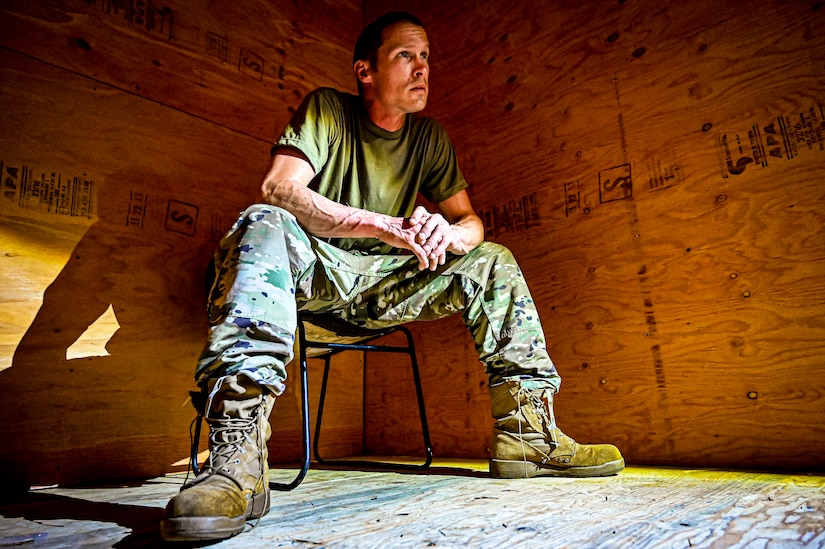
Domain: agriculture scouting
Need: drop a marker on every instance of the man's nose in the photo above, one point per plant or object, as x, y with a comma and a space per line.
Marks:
421, 67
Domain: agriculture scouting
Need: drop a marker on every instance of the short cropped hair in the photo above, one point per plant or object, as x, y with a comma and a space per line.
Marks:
372, 37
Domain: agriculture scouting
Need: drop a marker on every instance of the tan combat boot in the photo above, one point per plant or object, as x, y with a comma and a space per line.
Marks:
233, 486
526, 442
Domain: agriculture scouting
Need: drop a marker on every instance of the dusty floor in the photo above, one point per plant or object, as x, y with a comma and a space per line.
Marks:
456, 504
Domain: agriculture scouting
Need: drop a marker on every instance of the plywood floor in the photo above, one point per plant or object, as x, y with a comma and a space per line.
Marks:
457, 504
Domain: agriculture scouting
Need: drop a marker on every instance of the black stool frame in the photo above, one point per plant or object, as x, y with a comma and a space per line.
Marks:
332, 349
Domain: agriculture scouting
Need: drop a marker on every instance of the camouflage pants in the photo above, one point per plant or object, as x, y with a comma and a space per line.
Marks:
268, 268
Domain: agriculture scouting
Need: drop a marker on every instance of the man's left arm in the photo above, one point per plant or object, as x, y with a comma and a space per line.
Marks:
457, 229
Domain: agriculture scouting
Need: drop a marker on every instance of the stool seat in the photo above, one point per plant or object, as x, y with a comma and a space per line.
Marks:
320, 328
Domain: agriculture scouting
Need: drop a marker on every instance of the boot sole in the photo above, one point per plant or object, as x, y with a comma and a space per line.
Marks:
504, 468
212, 528
200, 528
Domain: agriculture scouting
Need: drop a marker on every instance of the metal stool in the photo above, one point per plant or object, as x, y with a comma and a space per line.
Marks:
324, 336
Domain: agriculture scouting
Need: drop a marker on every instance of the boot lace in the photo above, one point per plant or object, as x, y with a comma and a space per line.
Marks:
226, 435
543, 406
227, 438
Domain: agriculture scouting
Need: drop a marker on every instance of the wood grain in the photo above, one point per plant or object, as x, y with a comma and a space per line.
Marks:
687, 317
458, 505
242, 65
160, 173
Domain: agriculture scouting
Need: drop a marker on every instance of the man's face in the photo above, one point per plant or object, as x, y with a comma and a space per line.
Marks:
400, 78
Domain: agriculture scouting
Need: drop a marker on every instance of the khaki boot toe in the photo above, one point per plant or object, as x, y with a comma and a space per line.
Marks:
215, 508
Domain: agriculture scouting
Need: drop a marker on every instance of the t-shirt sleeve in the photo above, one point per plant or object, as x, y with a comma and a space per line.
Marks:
444, 178
313, 128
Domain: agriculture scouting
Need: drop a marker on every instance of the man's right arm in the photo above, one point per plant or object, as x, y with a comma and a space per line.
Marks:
286, 186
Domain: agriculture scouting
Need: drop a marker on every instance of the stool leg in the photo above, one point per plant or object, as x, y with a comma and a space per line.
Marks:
409, 350
322, 398
419, 393
304, 415
198, 399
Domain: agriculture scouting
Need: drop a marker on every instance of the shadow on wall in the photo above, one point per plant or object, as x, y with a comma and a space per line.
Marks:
125, 415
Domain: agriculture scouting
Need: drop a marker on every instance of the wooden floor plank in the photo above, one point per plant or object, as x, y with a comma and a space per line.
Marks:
457, 504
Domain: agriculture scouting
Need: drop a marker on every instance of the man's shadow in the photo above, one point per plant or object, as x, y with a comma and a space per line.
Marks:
38, 506
70, 420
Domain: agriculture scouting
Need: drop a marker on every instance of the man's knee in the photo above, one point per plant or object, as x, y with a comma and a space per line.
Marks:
268, 237
261, 222
499, 253
488, 261
268, 214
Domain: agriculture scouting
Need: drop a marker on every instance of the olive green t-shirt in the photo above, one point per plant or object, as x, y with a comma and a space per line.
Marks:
361, 165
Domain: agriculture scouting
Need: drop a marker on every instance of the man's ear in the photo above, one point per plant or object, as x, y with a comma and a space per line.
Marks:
363, 71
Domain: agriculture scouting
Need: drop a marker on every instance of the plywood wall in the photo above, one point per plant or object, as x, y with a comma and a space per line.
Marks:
132, 134
658, 168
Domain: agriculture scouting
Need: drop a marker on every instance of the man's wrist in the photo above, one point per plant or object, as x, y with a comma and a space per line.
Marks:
465, 239
376, 225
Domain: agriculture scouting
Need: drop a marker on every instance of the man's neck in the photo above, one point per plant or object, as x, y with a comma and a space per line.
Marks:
381, 117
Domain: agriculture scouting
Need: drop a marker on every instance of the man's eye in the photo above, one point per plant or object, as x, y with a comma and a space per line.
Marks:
425, 55
403, 54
